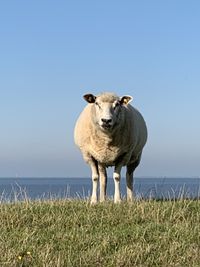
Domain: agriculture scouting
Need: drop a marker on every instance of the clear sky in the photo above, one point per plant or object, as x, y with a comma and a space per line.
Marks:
53, 52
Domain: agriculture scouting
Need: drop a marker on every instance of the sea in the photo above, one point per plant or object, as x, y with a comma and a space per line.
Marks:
20, 189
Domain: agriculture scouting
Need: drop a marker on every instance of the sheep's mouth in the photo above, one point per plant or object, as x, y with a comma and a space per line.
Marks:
106, 126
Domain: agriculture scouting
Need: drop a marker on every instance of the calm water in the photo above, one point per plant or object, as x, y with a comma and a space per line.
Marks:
12, 189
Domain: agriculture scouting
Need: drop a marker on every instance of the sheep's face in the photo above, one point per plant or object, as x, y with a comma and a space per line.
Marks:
107, 109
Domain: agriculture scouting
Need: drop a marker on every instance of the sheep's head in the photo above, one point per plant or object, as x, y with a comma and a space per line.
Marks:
107, 109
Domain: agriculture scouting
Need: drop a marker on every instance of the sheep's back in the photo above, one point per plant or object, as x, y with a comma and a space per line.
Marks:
83, 127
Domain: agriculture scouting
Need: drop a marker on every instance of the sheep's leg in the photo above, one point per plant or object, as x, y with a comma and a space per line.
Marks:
103, 182
129, 179
116, 177
129, 186
95, 178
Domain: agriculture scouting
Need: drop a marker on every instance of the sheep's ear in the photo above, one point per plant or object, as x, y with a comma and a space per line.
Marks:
125, 100
89, 98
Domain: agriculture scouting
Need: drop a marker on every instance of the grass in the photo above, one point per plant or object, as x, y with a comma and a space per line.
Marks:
73, 233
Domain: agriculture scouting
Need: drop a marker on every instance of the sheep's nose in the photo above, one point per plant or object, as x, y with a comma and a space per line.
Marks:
106, 121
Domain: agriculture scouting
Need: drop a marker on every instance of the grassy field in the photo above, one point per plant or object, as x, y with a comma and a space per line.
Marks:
73, 233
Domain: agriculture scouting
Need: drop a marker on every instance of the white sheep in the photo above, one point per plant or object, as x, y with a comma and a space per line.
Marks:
110, 132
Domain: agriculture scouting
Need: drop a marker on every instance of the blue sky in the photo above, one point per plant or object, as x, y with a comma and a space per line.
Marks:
53, 52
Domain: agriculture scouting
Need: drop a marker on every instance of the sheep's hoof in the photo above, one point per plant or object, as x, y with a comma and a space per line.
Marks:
93, 202
117, 201
130, 199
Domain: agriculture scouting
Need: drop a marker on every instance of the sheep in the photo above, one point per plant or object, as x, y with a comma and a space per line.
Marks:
110, 132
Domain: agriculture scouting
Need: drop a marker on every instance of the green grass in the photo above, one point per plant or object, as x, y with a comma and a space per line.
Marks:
73, 233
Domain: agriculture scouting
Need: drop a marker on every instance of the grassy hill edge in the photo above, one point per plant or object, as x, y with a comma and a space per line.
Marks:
73, 233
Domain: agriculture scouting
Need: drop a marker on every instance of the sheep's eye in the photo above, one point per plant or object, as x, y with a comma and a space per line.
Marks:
97, 104
116, 105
